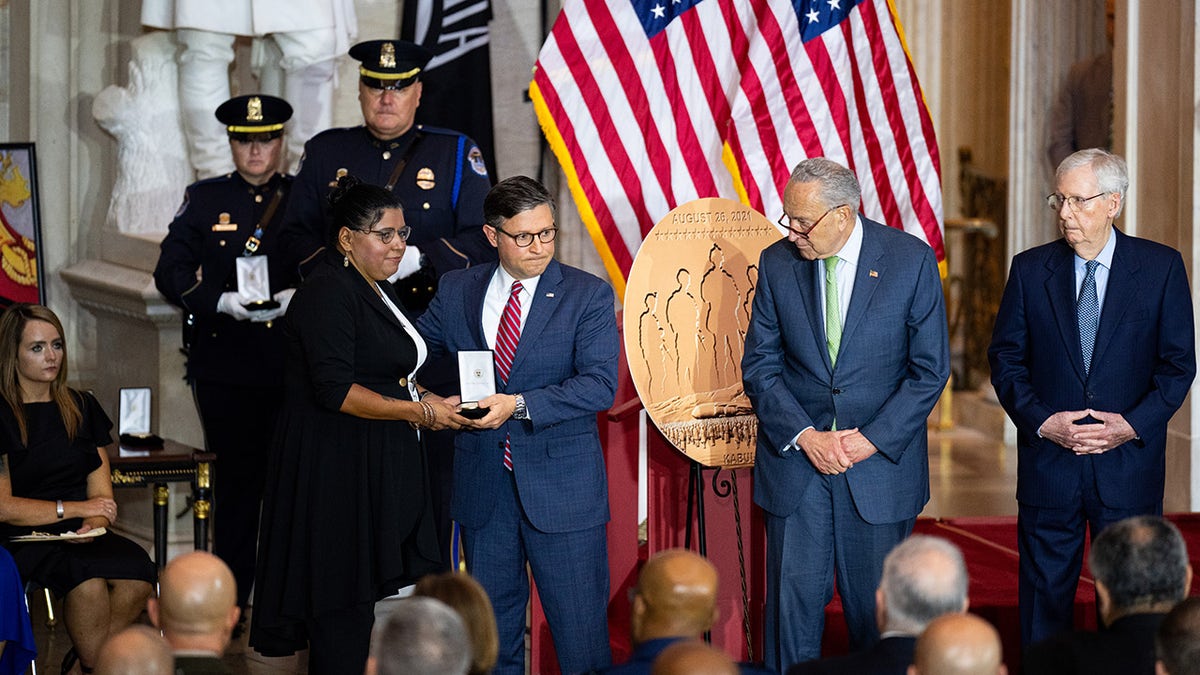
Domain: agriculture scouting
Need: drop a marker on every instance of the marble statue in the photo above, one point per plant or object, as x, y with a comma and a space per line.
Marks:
152, 157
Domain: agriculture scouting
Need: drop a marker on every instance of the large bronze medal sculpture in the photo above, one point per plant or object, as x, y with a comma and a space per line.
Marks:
687, 308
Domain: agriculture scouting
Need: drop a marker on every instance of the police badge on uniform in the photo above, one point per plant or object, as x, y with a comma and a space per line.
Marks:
223, 224
425, 179
475, 157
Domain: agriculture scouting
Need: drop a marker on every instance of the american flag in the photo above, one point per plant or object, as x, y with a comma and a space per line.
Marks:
649, 104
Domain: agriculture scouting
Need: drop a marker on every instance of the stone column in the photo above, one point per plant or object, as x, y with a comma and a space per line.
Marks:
1156, 123
1050, 36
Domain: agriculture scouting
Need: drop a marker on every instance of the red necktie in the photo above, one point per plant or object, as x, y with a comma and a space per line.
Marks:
507, 337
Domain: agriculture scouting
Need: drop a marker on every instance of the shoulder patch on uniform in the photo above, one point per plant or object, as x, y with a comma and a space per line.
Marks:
184, 205
475, 157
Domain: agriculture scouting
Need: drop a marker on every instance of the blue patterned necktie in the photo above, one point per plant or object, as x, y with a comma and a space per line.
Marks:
1088, 309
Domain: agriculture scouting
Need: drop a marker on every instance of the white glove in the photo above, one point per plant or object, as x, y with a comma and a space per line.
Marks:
283, 298
231, 303
409, 264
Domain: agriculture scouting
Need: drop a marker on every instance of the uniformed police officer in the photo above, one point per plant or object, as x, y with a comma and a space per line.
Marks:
235, 359
441, 179
439, 174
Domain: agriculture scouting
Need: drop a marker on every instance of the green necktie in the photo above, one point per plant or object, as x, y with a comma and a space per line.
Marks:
833, 309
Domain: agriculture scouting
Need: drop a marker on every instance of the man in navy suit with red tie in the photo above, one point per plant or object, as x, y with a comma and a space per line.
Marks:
529, 478
1092, 353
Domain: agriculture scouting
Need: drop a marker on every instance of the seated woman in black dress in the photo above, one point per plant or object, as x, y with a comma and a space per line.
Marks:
346, 514
54, 478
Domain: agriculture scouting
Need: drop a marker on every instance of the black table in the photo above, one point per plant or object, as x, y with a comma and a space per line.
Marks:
174, 463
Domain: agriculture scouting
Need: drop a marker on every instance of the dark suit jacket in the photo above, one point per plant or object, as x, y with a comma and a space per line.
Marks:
889, 656
566, 367
641, 662
1142, 367
1125, 648
893, 362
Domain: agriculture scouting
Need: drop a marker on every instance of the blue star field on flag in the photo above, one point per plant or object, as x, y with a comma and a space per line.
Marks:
656, 15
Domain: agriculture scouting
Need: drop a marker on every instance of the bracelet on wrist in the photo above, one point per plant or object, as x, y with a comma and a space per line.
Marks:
428, 416
59, 510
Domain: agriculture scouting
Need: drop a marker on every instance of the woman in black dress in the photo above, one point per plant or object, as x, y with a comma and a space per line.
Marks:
54, 478
346, 518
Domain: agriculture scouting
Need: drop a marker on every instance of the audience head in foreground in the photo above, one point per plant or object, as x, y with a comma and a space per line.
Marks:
924, 577
421, 635
464, 595
137, 650
958, 644
692, 657
1178, 641
1141, 566
675, 597
196, 608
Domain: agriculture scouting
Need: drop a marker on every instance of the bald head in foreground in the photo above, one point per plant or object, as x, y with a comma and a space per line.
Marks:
692, 657
196, 608
137, 650
676, 597
958, 644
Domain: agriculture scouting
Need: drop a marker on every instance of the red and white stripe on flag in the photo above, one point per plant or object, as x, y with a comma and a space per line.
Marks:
649, 104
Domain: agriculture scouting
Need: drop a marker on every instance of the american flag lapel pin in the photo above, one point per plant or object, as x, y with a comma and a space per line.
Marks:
549, 295
873, 274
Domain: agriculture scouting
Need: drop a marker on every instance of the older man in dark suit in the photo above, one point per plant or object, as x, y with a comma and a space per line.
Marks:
845, 356
529, 479
1092, 353
1141, 569
923, 578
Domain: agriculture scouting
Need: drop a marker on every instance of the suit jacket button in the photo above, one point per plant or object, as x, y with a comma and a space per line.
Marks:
404, 382
826, 428
836, 391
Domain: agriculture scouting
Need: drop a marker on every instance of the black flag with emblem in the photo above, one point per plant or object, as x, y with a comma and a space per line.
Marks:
457, 83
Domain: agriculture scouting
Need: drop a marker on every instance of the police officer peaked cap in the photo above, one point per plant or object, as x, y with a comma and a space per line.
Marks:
389, 64
256, 117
